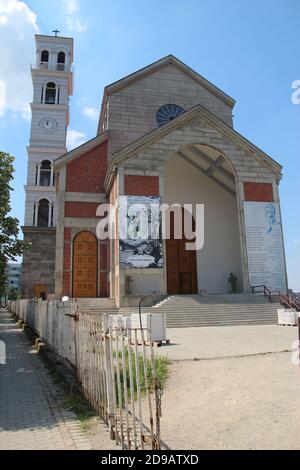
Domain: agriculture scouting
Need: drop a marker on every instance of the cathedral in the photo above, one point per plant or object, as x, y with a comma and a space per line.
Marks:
165, 136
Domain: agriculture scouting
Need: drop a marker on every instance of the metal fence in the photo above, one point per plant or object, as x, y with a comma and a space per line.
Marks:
117, 370
114, 364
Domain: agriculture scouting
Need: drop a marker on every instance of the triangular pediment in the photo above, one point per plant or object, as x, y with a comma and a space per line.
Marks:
196, 114
159, 64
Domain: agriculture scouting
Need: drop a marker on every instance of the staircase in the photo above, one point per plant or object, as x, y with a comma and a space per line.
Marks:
216, 310
198, 310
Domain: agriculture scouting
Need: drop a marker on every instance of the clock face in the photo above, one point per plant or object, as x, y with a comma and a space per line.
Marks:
167, 113
48, 126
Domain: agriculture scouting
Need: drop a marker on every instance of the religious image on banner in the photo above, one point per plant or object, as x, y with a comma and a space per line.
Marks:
265, 249
140, 239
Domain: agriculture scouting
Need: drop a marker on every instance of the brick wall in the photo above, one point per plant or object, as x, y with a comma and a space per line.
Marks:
258, 192
136, 185
81, 209
86, 174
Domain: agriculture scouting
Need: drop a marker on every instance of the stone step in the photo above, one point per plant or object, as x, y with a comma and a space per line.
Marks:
211, 301
216, 323
217, 310
93, 305
198, 310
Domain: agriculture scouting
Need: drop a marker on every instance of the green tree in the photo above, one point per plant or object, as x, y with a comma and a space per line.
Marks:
10, 245
13, 293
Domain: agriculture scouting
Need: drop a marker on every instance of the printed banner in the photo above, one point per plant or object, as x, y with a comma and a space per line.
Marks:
140, 240
265, 245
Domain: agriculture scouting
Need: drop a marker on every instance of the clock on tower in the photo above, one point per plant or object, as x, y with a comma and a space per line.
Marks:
52, 80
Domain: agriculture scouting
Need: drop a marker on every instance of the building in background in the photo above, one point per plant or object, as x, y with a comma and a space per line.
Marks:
13, 272
13, 281
165, 135
52, 80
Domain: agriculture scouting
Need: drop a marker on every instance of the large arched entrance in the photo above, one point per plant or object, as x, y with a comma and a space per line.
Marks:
181, 264
199, 174
85, 265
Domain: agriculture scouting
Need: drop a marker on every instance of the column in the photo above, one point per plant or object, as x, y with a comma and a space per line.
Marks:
56, 94
50, 214
36, 213
52, 175
38, 175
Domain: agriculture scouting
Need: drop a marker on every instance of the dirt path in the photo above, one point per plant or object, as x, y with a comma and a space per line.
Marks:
238, 403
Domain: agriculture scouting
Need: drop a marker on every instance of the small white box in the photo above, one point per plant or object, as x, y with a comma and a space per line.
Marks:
154, 323
287, 317
119, 321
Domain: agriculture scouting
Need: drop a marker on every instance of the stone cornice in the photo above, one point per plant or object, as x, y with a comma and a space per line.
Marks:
50, 107
27, 229
49, 150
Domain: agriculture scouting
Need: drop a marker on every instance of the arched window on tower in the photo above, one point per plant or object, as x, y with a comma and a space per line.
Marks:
43, 213
44, 174
61, 59
44, 59
51, 93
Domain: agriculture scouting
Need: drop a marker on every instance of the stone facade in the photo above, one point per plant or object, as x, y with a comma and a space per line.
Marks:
195, 158
39, 261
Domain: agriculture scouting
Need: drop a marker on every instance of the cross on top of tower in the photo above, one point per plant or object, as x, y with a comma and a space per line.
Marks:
56, 31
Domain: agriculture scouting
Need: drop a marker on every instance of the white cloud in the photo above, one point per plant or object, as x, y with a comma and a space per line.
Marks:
74, 139
17, 28
72, 18
91, 113
2, 96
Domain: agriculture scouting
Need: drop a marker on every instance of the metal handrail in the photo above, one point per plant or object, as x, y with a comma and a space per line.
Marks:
267, 293
264, 290
285, 300
290, 301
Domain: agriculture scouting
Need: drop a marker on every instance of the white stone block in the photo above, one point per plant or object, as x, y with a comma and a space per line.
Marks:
287, 317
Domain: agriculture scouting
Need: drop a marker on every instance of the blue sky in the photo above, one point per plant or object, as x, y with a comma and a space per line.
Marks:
249, 49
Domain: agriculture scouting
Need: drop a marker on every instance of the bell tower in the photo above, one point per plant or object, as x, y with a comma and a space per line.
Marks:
52, 79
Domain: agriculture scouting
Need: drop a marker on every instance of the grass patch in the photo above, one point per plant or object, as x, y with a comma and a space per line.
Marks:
73, 400
81, 408
161, 366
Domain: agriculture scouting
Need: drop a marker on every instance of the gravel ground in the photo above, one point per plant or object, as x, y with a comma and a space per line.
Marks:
250, 402
227, 341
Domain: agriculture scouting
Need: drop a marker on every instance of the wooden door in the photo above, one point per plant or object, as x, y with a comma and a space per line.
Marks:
85, 265
181, 265
40, 290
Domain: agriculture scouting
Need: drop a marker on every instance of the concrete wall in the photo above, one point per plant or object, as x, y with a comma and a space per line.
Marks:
132, 110
221, 253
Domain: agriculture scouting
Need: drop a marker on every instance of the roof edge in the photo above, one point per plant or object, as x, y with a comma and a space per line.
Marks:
160, 132
169, 59
78, 151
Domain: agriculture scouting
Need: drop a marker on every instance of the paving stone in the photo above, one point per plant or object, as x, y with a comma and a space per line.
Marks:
30, 416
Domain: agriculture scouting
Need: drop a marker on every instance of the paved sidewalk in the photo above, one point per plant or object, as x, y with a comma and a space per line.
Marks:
30, 415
